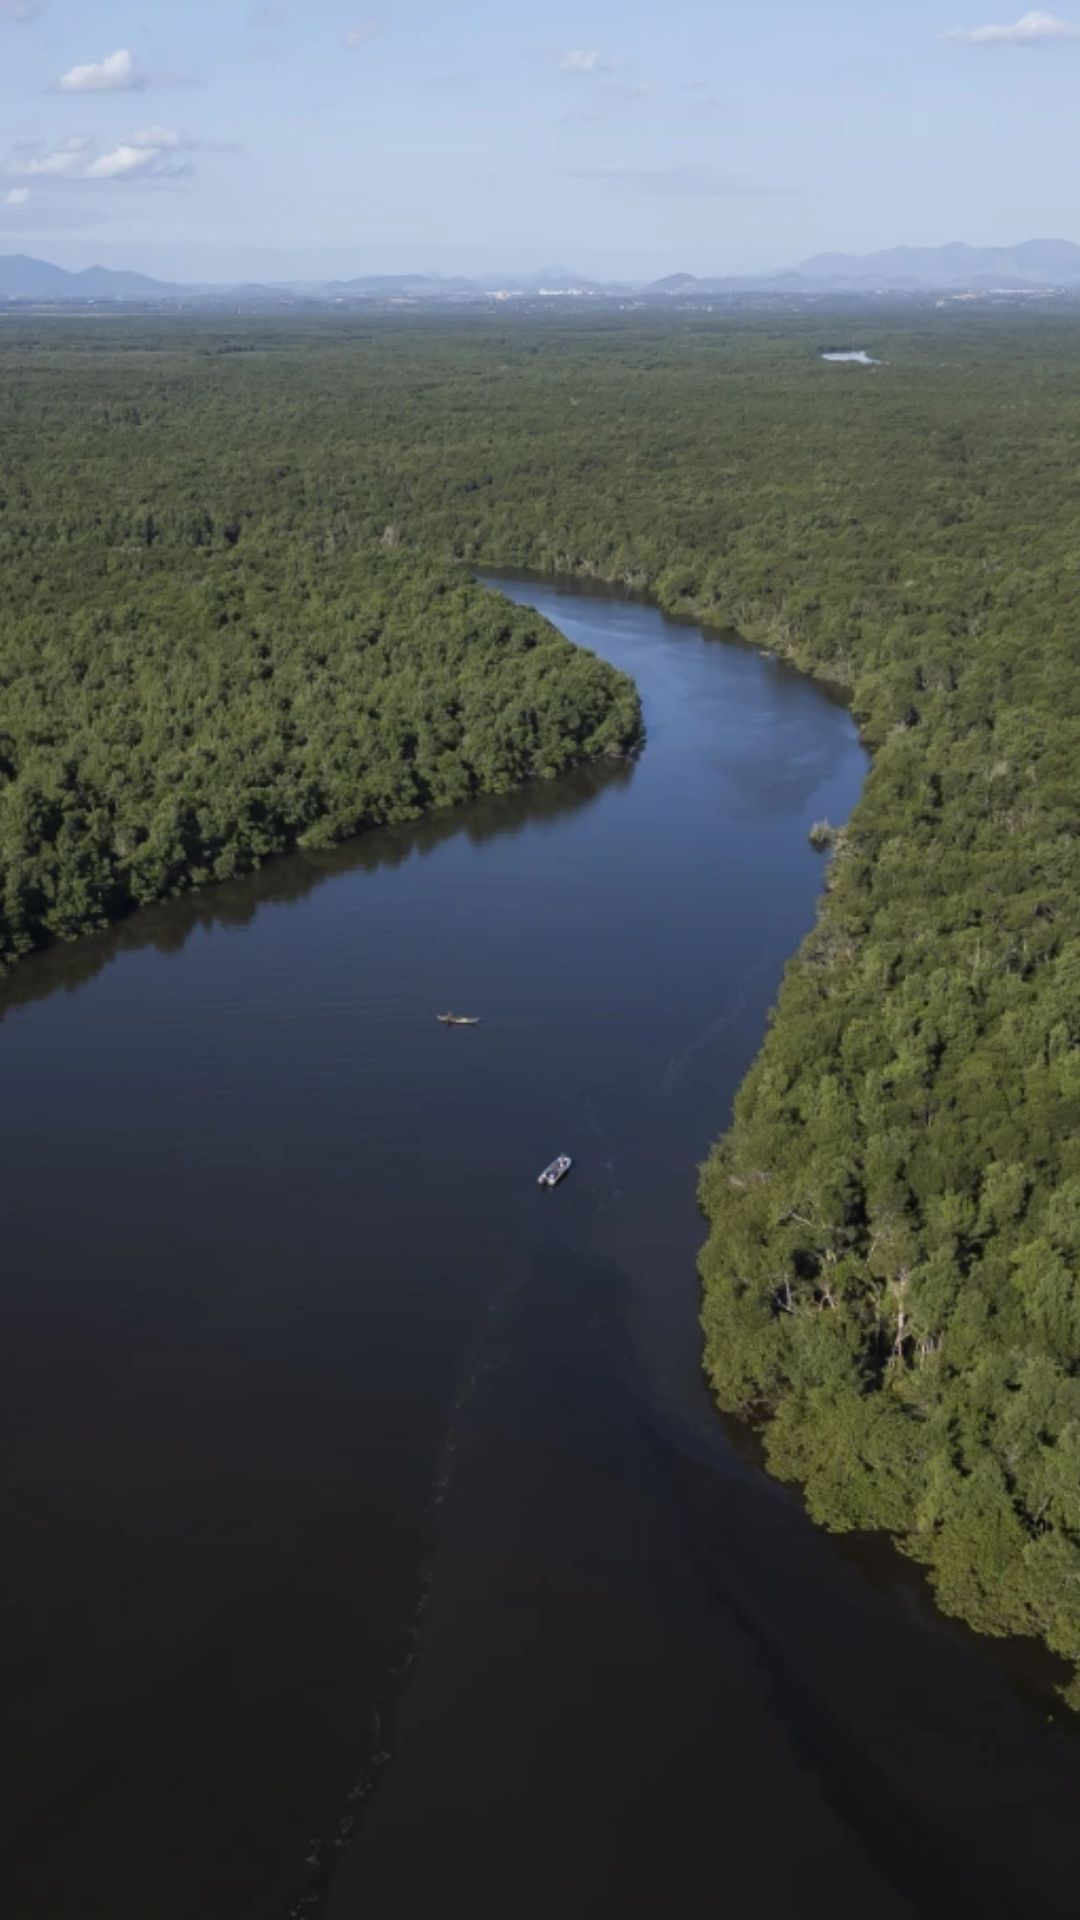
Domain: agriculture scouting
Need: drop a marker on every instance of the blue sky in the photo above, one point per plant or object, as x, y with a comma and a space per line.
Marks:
227, 138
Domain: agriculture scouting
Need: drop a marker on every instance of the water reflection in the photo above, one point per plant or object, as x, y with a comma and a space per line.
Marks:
168, 925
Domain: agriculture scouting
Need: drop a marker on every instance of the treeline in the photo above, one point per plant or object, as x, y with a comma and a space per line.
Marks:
891, 1272
178, 702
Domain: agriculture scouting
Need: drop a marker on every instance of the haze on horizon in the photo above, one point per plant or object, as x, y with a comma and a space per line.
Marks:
269, 139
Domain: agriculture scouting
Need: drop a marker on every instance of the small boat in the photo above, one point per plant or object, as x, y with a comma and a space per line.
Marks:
459, 1019
557, 1171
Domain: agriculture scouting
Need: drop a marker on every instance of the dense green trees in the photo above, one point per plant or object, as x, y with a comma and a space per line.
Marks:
183, 692
234, 612
176, 723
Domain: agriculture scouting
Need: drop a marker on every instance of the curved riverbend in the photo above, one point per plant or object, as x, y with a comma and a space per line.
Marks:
330, 1439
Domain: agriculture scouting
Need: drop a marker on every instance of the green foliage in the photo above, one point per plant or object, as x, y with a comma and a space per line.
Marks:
891, 1275
234, 614
191, 681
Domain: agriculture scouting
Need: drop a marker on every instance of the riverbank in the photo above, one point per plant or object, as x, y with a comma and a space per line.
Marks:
889, 1274
902, 1031
262, 1323
147, 761
360, 1454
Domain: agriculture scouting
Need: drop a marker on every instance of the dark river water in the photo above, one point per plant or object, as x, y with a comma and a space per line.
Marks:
353, 1487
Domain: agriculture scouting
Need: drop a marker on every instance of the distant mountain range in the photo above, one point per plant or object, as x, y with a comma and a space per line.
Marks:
1032, 266
1034, 263
22, 278
25, 279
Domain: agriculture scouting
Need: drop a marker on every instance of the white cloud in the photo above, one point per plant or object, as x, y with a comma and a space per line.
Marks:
117, 73
150, 153
52, 165
581, 60
121, 162
65, 162
166, 139
1032, 29
360, 36
18, 197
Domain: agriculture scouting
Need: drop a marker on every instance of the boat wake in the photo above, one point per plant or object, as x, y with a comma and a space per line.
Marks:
735, 1015
325, 1851
607, 1164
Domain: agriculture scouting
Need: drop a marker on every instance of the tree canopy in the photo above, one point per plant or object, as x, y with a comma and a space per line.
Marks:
191, 679
235, 612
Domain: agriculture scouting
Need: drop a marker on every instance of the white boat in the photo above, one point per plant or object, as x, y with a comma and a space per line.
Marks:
557, 1171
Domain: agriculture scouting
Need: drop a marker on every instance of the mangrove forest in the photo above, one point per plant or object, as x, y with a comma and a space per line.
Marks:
238, 612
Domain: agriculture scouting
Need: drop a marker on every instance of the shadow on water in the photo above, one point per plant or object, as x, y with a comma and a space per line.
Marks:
601, 1560
168, 925
535, 1316
1036, 1674
295, 1361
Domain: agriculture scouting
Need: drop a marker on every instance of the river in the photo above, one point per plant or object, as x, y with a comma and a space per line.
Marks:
355, 1489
